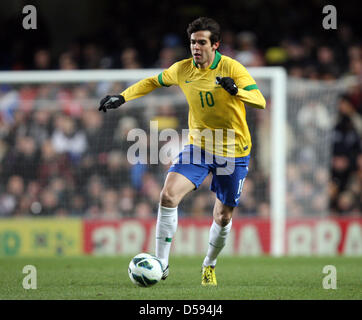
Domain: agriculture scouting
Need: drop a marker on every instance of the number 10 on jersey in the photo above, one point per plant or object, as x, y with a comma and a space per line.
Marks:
208, 98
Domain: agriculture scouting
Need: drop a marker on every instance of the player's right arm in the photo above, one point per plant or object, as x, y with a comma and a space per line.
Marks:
166, 78
141, 88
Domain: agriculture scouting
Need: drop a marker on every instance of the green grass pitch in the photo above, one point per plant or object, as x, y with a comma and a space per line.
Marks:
239, 278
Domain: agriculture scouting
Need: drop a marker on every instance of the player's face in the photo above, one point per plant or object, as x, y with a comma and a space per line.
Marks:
202, 50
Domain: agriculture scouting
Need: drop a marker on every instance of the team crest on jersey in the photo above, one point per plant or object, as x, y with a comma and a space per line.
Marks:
218, 85
217, 82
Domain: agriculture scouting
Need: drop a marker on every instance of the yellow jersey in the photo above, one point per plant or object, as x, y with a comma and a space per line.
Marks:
217, 120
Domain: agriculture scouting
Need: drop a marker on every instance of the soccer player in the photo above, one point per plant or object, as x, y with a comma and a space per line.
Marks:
216, 88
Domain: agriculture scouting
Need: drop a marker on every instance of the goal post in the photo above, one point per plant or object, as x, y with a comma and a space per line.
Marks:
278, 105
277, 78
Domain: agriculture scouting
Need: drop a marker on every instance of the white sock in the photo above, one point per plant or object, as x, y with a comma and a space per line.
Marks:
217, 240
165, 229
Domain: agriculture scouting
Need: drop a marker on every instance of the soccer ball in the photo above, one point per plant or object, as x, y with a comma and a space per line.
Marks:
145, 270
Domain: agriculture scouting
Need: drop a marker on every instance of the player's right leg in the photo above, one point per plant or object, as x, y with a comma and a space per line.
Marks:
184, 175
175, 188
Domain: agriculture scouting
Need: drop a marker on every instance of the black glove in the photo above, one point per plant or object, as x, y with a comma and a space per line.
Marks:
111, 102
228, 84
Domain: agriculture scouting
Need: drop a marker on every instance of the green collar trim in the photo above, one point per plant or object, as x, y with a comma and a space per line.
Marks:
214, 63
216, 60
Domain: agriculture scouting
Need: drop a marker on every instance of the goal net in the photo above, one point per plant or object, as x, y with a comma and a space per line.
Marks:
61, 156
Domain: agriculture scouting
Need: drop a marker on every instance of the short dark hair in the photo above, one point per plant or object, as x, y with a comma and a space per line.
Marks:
204, 23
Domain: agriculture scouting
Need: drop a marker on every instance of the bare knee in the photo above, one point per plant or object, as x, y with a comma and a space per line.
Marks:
224, 220
175, 188
223, 216
168, 199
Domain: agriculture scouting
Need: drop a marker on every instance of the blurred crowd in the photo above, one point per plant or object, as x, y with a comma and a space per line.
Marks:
324, 174
345, 186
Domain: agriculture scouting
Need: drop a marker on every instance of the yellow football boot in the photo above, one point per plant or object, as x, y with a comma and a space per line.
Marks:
208, 277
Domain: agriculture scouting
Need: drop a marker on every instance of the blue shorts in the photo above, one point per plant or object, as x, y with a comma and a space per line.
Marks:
228, 173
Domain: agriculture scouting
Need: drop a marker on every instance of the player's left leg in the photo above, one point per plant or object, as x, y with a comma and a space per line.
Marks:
228, 187
219, 232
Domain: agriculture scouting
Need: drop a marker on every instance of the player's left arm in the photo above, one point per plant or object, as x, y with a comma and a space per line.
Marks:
248, 90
